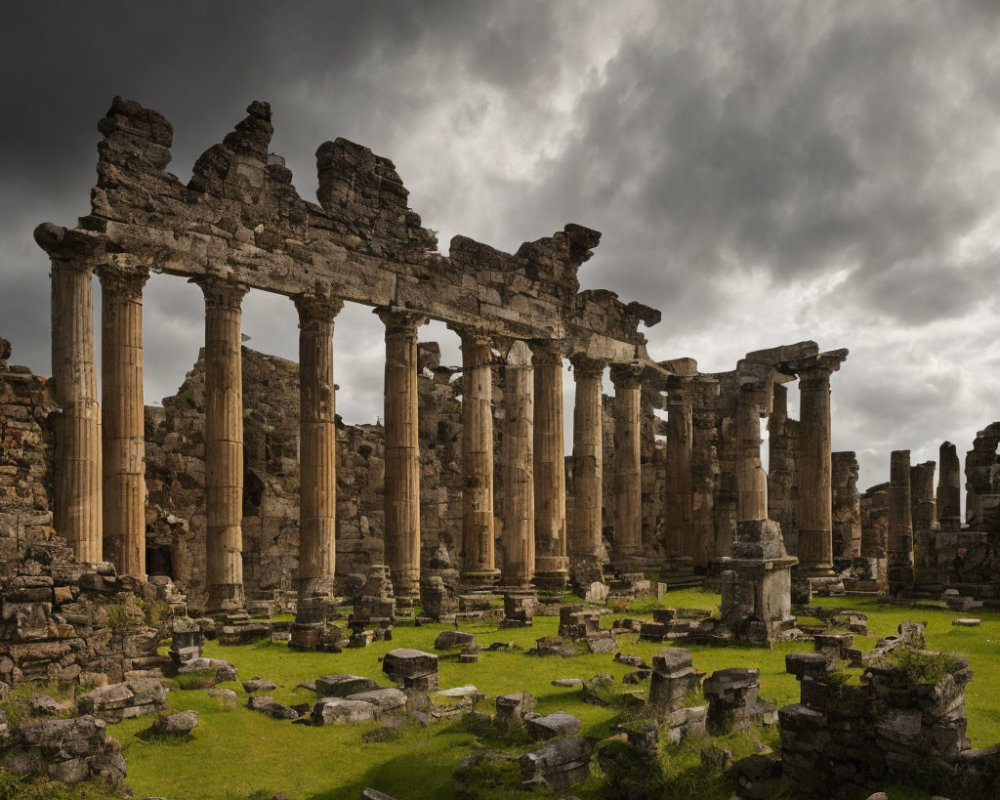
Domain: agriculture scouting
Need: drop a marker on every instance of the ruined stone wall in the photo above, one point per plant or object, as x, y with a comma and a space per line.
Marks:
846, 507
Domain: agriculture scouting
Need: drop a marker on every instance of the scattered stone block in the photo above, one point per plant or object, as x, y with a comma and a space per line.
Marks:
558, 765
258, 685
815, 665
446, 640
226, 698
554, 725
180, 723
513, 707
340, 710
120, 701
382, 699
406, 662
601, 642
966, 622
570, 683
343, 685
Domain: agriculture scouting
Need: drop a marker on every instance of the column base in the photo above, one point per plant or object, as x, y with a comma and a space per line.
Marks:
225, 598
486, 578
551, 573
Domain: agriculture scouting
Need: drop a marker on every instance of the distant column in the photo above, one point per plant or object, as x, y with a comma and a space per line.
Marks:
122, 423
628, 467
77, 506
751, 480
585, 542
223, 444
317, 455
704, 467
551, 563
923, 513
814, 512
478, 559
899, 558
949, 491
402, 451
679, 500
518, 480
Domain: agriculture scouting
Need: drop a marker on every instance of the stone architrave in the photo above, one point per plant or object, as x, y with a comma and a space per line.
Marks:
317, 452
679, 495
899, 558
814, 462
628, 467
478, 556
402, 451
77, 494
122, 420
223, 444
751, 480
949, 491
585, 540
517, 463
551, 562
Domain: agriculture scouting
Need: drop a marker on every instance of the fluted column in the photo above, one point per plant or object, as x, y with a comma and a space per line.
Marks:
317, 454
751, 480
122, 420
402, 451
223, 444
899, 558
77, 506
551, 563
949, 491
584, 535
628, 467
679, 499
814, 464
478, 558
518, 468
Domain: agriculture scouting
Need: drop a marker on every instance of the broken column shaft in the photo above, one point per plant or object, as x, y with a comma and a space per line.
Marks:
899, 556
122, 421
949, 491
402, 452
751, 480
549, 468
77, 507
317, 454
223, 445
628, 467
518, 481
585, 542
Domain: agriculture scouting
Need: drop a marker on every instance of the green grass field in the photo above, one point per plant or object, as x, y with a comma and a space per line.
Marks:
233, 754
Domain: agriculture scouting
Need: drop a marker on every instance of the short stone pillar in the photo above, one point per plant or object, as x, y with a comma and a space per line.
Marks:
949, 491
223, 444
678, 506
628, 468
518, 461
317, 457
123, 420
402, 451
77, 496
733, 703
899, 558
751, 480
478, 557
551, 562
585, 542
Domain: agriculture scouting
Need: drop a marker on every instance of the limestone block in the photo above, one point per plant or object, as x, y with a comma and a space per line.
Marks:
554, 725
338, 710
180, 723
382, 699
446, 640
514, 706
258, 685
343, 685
559, 764
406, 662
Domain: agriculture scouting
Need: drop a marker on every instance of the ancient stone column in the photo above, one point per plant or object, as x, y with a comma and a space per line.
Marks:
402, 451
518, 467
628, 468
682, 547
814, 511
223, 444
317, 455
923, 514
899, 556
478, 559
751, 480
846, 506
584, 540
122, 420
704, 467
551, 563
77, 506
949, 492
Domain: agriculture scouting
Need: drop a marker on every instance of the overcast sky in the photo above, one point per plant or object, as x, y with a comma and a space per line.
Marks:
762, 172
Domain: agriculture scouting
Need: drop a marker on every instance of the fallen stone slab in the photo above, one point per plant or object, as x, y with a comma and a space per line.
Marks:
180, 723
446, 640
559, 764
339, 711
383, 699
343, 685
966, 622
569, 683
554, 725
258, 685
119, 701
406, 662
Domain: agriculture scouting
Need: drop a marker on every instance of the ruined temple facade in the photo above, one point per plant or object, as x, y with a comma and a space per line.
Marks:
634, 493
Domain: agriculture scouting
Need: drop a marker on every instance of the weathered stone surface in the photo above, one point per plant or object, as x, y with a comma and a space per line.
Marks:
558, 765
333, 711
406, 662
554, 725
382, 699
123, 700
343, 685
446, 640
180, 723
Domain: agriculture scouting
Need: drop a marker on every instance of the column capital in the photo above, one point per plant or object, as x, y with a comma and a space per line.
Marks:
626, 376
817, 367
586, 367
518, 355
399, 320
119, 280
220, 293
317, 307
547, 352
473, 336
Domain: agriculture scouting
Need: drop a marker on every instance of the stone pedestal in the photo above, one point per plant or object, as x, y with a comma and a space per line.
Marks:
402, 452
223, 445
518, 497
122, 429
899, 558
585, 542
317, 457
551, 562
628, 468
678, 509
478, 557
77, 497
